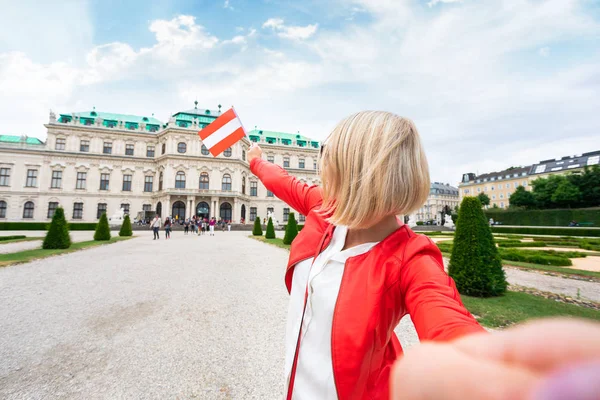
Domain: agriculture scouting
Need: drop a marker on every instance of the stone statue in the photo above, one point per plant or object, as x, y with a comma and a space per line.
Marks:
269, 215
52, 116
117, 217
448, 221
412, 221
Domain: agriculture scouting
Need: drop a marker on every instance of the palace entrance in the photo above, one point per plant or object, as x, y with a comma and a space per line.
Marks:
203, 210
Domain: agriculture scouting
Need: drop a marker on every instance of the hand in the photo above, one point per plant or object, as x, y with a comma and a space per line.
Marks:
254, 152
548, 359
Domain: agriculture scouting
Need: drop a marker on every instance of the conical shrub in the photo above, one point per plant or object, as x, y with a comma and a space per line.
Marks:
475, 264
270, 230
126, 227
291, 229
257, 230
58, 233
102, 229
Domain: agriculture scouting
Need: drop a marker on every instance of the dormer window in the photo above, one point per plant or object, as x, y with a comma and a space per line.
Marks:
145, 119
94, 114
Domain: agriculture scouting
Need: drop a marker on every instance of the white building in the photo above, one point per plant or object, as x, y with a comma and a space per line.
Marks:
440, 196
94, 162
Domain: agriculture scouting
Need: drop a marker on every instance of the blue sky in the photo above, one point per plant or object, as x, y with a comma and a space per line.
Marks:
489, 84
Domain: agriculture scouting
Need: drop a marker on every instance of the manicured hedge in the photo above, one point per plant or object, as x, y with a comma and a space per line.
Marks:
534, 258
14, 237
545, 217
507, 243
548, 231
43, 226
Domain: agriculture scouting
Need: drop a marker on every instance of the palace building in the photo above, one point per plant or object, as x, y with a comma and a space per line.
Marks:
95, 162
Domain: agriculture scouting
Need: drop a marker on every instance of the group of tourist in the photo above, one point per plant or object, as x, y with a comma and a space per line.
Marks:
196, 225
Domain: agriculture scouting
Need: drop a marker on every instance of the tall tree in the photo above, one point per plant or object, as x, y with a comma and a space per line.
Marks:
484, 199
544, 188
291, 229
102, 229
566, 195
270, 229
58, 234
522, 198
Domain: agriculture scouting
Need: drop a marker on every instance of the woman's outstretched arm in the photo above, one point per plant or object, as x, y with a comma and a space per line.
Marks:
300, 196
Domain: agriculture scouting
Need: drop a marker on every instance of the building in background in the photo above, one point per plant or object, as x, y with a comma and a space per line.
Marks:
95, 162
441, 195
500, 185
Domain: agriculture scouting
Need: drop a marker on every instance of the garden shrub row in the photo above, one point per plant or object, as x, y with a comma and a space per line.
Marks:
516, 255
13, 237
506, 243
548, 231
560, 217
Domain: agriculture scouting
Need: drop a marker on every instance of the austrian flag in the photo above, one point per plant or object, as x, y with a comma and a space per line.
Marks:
222, 133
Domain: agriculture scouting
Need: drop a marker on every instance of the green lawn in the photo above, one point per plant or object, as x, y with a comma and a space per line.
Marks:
30, 255
515, 307
27, 239
509, 309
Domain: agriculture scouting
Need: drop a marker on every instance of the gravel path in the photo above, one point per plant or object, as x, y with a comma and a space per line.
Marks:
19, 246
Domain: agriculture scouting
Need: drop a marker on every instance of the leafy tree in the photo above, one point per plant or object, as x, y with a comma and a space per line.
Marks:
475, 264
102, 229
566, 195
126, 227
257, 230
58, 233
522, 198
588, 183
291, 229
544, 188
270, 229
484, 199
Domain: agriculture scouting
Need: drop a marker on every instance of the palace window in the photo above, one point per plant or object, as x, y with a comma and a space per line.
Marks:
147, 207
148, 181
301, 218
2, 209
253, 188
516, 184
56, 180
286, 162
77, 210
181, 147
104, 181
160, 181
204, 150
204, 181
150, 151
270, 210
271, 159
31, 178
478, 190
125, 207
81, 179
101, 210
243, 185
243, 155
28, 210
180, 180
226, 183
129, 149
107, 149
84, 146
227, 152
61, 143
52, 206
508, 185
286, 214
4, 176
301, 163
164, 148
127, 183
314, 165
269, 193
252, 213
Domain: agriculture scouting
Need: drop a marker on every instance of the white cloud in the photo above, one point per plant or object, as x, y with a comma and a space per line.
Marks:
434, 2
290, 32
228, 5
544, 51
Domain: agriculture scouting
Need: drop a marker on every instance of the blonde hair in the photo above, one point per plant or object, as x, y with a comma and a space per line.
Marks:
372, 166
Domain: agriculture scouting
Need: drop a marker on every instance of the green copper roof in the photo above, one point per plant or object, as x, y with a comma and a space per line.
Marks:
19, 139
284, 138
112, 120
202, 116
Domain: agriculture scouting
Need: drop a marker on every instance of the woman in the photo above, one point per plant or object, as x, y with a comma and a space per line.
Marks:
168, 228
355, 270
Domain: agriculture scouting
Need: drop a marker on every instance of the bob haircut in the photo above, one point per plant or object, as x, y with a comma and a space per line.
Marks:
372, 166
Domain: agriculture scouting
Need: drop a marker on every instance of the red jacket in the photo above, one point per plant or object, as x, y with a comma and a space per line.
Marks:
403, 274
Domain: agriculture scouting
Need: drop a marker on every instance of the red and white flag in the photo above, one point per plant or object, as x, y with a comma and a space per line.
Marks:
222, 133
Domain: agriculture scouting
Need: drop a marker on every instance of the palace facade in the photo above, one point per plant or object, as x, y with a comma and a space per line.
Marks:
95, 162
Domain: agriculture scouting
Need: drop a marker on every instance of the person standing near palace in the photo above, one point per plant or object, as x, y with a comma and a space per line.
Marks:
168, 228
155, 225
211, 225
229, 226
186, 226
355, 269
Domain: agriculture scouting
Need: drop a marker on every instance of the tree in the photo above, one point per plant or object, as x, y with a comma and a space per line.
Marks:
475, 264
270, 229
126, 227
522, 198
58, 234
102, 229
291, 230
484, 199
588, 183
566, 195
257, 230
544, 188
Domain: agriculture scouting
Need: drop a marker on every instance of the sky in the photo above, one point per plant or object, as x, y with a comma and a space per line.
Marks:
489, 83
